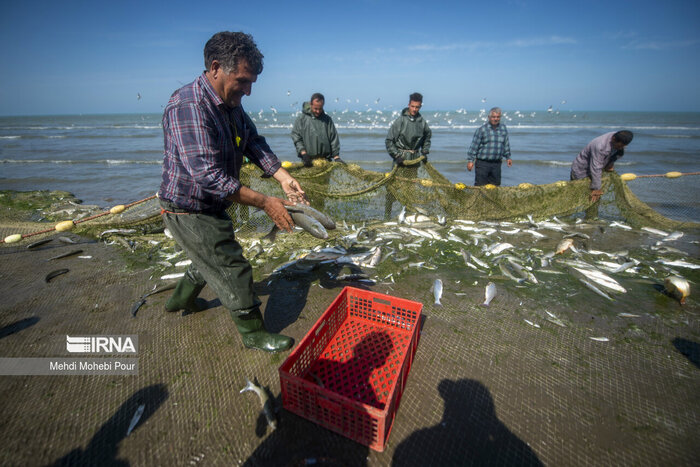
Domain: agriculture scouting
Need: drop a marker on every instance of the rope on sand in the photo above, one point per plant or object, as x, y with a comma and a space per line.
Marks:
68, 225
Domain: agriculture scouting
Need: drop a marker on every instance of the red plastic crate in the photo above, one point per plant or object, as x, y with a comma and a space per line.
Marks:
349, 371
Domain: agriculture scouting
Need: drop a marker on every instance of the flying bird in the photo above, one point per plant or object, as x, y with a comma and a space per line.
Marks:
483, 99
138, 96
289, 93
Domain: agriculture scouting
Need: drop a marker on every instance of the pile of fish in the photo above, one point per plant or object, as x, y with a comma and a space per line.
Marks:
545, 248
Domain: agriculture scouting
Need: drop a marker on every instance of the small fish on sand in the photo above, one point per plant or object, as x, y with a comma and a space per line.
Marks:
489, 293
55, 273
265, 400
680, 264
38, 243
117, 231
677, 287
564, 245
65, 255
671, 237
176, 275
437, 291
135, 419
531, 323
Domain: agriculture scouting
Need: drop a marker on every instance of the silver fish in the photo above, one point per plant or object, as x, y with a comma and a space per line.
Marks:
489, 293
255, 250
600, 278
672, 236
402, 215
65, 255
620, 225
534, 233
311, 225
595, 289
118, 231
680, 264
599, 339
658, 232
135, 419
625, 266
375, 258
264, 400
421, 211
437, 291
497, 248
321, 217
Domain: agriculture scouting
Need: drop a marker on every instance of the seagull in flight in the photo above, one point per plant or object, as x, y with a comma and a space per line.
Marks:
138, 96
289, 93
483, 99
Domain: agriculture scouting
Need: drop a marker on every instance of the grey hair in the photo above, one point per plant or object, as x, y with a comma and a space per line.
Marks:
229, 48
495, 110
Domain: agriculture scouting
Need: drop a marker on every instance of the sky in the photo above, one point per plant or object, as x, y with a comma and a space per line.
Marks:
85, 57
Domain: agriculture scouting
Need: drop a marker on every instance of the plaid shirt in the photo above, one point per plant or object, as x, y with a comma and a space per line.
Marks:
489, 143
202, 163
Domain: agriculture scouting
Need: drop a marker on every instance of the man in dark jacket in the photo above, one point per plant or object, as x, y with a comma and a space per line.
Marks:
409, 136
314, 134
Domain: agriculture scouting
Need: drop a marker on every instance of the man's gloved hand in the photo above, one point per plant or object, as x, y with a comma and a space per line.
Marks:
398, 160
338, 159
306, 158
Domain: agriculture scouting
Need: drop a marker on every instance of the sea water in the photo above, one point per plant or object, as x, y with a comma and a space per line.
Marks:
110, 159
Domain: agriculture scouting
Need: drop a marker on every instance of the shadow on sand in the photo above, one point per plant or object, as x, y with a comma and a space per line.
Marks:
288, 291
18, 326
104, 445
469, 433
690, 349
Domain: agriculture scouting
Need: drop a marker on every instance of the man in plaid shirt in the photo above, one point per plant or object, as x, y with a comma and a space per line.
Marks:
207, 134
489, 146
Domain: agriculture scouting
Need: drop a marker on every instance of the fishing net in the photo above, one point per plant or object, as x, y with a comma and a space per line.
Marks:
352, 194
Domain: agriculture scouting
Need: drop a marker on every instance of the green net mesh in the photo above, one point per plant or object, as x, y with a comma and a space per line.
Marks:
351, 194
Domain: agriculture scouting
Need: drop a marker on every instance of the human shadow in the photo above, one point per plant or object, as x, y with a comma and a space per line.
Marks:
469, 433
690, 349
18, 326
298, 441
288, 289
104, 445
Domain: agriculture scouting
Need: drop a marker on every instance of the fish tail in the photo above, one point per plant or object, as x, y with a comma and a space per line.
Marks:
248, 387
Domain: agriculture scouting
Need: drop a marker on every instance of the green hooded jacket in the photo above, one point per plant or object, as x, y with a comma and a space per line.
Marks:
316, 135
408, 134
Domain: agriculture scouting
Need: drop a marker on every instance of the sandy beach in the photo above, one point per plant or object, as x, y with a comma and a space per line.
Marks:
502, 384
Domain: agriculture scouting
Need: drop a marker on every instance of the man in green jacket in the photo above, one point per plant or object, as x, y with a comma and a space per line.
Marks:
409, 136
314, 134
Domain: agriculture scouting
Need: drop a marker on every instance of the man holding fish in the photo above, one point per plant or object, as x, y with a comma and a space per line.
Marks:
207, 134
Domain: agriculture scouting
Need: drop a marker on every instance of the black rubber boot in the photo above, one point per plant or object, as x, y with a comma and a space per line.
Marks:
185, 297
254, 335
